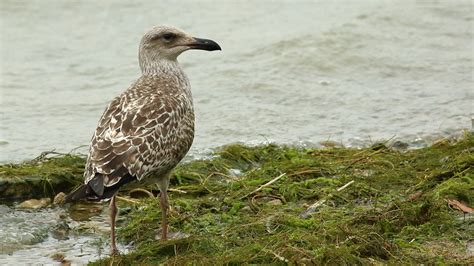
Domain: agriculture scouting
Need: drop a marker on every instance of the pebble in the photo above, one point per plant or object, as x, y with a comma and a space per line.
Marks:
61, 231
59, 198
399, 145
34, 203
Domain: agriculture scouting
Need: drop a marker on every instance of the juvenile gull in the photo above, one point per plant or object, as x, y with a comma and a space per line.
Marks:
146, 130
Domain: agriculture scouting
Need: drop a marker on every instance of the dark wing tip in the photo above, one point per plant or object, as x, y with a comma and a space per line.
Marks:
79, 193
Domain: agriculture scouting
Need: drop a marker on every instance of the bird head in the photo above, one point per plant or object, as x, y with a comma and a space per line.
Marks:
165, 43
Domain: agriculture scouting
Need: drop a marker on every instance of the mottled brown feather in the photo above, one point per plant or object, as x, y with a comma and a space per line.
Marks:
147, 129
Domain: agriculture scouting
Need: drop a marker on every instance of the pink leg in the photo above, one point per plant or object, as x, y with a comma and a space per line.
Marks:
113, 215
164, 204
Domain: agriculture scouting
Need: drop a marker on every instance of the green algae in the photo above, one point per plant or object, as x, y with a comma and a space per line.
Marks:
337, 206
393, 212
42, 177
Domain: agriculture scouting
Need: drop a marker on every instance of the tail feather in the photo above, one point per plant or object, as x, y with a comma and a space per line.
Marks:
87, 192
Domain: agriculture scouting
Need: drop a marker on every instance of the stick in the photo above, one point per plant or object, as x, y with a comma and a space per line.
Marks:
320, 202
316, 204
177, 190
127, 200
346, 185
279, 257
306, 172
264, 185
142, 190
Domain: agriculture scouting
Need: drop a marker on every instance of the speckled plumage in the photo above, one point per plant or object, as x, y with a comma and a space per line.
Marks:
145, 131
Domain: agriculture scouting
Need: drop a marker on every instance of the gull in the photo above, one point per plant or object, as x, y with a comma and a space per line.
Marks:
146, 130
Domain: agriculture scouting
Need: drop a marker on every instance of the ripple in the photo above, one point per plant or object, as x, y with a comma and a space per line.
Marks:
32, 237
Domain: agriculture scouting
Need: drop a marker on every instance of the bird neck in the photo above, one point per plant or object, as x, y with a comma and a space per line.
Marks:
160, 67
166, 69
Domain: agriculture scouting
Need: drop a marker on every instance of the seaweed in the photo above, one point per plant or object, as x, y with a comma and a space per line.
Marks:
279, 204
42, 177
272, 204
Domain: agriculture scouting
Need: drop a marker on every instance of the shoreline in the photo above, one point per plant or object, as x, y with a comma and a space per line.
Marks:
411, 141
281, 204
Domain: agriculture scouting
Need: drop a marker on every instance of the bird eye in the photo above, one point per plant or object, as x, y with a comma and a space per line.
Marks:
168, 36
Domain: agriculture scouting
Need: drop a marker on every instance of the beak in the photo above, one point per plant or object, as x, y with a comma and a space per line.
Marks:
204, 44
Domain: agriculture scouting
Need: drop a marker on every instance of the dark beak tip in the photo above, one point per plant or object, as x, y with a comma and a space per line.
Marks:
205, 44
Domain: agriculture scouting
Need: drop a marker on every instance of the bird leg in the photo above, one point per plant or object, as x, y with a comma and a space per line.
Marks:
113, 215
165, 206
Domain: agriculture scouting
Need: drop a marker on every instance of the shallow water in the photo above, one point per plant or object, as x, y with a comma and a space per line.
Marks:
289, 72
78, 233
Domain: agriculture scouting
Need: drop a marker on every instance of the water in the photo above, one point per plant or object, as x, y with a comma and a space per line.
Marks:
290, 72
79, 233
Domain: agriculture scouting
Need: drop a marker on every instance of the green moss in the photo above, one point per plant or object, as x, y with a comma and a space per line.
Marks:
44, 177
461, 188
393, 212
